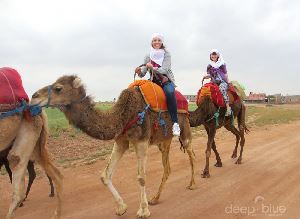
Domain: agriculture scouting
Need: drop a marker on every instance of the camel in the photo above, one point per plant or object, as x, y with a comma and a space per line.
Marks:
30, 169
204, 114
69, 95
28, 139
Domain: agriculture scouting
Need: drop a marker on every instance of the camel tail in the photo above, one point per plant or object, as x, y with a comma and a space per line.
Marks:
43, 150
51, 170
242, 119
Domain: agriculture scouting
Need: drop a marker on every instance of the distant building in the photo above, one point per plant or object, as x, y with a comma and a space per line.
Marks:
256, 98
280, 99
291, 99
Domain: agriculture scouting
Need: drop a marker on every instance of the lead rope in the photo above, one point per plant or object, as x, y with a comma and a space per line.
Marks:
162, 123
216, 117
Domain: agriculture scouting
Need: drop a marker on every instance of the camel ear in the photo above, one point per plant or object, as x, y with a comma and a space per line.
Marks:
77, 82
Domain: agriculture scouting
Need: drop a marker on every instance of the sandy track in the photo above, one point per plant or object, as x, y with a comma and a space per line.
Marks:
269, 175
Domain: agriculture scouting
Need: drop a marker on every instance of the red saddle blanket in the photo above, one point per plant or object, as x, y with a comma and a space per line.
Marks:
212, 91
155, 96
11, 89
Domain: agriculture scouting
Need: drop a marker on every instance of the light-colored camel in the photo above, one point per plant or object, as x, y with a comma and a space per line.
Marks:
69, 95
29, 140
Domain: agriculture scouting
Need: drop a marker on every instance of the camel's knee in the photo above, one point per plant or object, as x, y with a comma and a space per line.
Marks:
104, 179
14, 161
141, 181
207, 153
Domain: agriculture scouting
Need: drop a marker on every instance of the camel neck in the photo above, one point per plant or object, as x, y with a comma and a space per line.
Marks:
103, 125
196, 117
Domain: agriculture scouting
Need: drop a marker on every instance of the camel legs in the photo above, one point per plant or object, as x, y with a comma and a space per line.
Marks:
242, 134
236, 132
51, 187
31, 176
164, 149
119, 148
6, 164
214, 147
141, 149
188, 145
57, 178
18, 160
211, 135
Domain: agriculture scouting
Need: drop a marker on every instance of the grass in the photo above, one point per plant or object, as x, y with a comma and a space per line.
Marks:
258, 115
266, 115
58, 123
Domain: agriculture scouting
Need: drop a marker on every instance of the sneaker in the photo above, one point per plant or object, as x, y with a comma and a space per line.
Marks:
228, 112
176, 129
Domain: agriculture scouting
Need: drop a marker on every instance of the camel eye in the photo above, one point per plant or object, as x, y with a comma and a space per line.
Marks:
58, 89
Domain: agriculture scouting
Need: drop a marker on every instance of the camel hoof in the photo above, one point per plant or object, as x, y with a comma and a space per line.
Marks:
191, 187
234, 155
238, 161
143, 213
153, 201
219, 164
51, 195
205, 174
55, 216
121, 209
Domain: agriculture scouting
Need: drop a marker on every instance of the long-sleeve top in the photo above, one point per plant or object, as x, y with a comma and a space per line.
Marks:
218, 74
165, 69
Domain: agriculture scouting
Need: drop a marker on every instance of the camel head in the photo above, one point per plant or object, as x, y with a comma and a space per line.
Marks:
66, 90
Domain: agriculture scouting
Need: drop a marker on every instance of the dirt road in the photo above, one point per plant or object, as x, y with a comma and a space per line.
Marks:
264, 186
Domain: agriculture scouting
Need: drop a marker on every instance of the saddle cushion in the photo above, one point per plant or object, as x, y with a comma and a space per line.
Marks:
212, 91
154, 96
11, 89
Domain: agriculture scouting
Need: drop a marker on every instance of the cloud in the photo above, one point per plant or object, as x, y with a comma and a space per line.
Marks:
103, 41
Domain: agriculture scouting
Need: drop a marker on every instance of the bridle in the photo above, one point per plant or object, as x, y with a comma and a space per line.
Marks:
48, 104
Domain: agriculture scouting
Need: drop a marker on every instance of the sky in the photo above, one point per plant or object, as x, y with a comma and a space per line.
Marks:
103, 41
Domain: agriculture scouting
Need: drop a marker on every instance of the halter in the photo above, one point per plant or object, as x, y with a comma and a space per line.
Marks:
59, 105
49, 95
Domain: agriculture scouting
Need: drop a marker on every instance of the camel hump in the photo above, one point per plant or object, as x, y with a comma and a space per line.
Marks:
154, 95
11, 89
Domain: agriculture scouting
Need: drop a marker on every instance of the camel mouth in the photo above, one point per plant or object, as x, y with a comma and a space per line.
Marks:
38, 102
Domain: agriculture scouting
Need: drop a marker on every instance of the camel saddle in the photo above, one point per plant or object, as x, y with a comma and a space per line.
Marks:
212, 91
12, 92
154, 96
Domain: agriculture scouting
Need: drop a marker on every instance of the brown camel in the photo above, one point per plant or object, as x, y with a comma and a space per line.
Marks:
68, 94
204, 114
28, 139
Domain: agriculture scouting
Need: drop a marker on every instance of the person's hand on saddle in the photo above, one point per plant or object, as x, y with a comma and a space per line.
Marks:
149, 65
205, 77
138, 71
164, 79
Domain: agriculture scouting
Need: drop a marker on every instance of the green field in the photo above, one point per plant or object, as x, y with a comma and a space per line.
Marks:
257, 115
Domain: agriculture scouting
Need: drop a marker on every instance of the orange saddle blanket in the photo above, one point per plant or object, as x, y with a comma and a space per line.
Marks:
212, 91
154, 96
